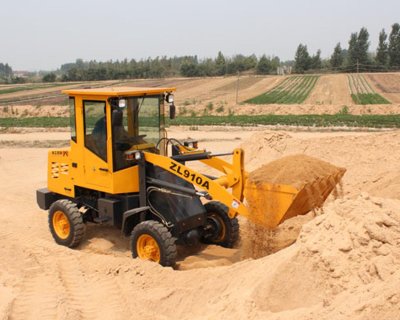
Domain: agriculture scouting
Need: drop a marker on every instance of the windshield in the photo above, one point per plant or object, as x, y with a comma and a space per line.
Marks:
135, 127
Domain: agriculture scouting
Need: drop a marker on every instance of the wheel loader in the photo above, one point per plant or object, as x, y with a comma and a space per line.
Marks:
121, 169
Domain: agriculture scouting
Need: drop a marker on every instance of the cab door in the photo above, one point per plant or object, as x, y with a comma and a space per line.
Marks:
96, 153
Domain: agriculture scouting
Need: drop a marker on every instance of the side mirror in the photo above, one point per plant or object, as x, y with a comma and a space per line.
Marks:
172, 111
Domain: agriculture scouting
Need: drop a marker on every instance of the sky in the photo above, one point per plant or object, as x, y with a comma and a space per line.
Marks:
44, 34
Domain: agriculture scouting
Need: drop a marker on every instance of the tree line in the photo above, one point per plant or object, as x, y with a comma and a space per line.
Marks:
161, 67
357, 56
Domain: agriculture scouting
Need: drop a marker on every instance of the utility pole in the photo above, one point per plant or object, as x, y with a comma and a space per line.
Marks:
358, 66
237, 88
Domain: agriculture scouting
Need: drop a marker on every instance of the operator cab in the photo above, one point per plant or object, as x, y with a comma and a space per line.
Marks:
136, 116
107, 124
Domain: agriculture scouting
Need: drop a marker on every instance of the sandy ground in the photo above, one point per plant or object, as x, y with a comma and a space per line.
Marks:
344, 264
331, 90
387, 84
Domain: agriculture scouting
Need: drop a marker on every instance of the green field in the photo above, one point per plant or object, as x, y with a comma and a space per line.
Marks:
337, 120
362, 92
292, 90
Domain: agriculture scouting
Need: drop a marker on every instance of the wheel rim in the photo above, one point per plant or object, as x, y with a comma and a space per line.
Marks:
147, 248
218, 222
61, 225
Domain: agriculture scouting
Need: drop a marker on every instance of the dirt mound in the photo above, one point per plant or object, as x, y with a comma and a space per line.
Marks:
342, 260
295, 170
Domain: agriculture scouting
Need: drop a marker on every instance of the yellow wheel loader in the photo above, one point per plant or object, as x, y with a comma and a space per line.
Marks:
121, 169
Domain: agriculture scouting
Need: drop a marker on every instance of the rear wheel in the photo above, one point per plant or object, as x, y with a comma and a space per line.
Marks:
151, 240
220, 229
66, 223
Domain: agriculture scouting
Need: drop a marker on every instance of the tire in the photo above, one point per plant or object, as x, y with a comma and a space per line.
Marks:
225, 231
151, 240
66, 223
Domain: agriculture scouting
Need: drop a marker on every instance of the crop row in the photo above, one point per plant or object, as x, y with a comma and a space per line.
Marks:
362, 92
324, 120
292, 90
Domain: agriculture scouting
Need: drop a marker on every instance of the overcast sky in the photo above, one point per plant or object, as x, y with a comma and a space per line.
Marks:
43, 34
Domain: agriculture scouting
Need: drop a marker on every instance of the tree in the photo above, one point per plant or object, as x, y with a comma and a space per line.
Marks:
302, 59
264, 65
275, 63
50, 77
352, 51
5, 71
337, 58
189, 68
315, 62
363, 46
382, 54
220, 64
394, 46
250, 62
358, 49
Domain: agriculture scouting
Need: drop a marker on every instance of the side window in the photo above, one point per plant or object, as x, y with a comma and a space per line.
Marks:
72, 118
95, 127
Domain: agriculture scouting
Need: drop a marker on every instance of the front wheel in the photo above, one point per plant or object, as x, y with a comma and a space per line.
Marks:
66, 223
220, 229
151, 240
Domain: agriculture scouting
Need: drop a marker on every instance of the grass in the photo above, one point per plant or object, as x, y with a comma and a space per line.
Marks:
337, 120
46, 122
293, 90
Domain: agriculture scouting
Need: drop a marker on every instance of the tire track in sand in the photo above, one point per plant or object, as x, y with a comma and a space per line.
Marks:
56, 285
95, 296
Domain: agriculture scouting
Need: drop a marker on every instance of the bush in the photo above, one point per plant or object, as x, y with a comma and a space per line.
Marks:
50, 77
220, 109
344, 110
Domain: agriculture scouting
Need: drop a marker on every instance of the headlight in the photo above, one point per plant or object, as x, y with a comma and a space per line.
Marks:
169, 98
122, 103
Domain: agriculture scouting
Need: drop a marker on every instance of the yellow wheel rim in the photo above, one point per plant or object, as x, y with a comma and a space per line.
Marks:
61, 225
147, 248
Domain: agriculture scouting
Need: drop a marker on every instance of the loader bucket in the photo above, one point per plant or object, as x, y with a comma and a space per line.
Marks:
271, 204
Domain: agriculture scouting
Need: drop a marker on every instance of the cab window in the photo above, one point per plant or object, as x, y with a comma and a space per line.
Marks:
136, 126
95, 127
72, 118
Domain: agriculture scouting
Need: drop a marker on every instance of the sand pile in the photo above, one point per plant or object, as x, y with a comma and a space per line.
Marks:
345, 262
295, 170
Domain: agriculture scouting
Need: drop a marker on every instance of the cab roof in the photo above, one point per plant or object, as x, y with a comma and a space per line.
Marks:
119, 91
